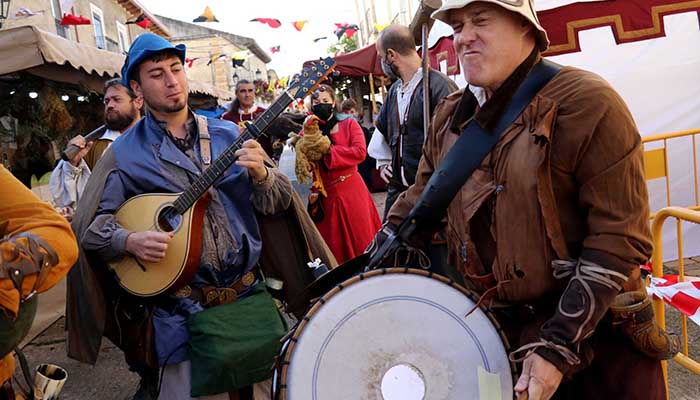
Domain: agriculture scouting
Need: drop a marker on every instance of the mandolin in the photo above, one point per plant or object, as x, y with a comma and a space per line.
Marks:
183, 213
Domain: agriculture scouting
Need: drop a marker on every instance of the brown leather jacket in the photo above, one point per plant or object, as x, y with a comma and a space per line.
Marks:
564, 182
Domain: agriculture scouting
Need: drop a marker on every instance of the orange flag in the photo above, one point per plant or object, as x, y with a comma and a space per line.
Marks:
299, 25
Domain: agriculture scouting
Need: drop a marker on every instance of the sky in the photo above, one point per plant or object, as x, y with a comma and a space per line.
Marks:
295, 47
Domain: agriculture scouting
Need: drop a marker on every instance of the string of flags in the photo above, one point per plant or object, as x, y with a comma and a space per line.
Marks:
342, 29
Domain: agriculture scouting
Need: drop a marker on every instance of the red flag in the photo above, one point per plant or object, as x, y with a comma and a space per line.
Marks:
347, 29
274, 23
190, 61
275, 49
70, 19
141, 21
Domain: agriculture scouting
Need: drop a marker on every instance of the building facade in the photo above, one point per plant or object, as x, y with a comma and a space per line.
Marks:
108, 29
212, 50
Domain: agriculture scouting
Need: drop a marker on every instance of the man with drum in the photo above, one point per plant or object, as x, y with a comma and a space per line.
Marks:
553, 225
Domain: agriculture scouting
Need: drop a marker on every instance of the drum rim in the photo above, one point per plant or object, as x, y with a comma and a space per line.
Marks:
299, 329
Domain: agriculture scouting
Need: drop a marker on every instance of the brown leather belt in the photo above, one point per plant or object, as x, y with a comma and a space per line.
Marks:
211, 296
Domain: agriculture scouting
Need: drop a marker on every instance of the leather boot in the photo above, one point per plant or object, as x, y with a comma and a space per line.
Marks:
633, 314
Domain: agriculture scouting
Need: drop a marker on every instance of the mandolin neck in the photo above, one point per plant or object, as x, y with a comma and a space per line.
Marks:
187, 199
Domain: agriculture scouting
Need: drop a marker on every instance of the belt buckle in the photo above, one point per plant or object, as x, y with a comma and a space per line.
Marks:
183, 292
248, 279
227, 295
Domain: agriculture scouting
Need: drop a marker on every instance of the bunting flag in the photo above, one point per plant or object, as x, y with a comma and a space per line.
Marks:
215, 57
207, 16
141, 21
320, 38
23, 12
237, 63
190, 61
380, 27
346, 29
299, 25
275, 49
684, 296
70, 19
272, 22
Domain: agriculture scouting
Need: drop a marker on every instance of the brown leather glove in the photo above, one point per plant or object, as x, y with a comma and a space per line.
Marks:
633, 314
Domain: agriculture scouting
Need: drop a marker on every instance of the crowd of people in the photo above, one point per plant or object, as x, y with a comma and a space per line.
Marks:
549, 229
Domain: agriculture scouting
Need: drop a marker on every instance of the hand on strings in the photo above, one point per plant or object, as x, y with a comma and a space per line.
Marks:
79, 141
252, 156
539, 379
149, 246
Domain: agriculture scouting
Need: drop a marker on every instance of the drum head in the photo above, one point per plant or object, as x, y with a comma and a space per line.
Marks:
396, 335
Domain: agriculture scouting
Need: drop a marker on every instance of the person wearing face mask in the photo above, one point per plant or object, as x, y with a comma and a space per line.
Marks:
398, 140
349, 109
349, 219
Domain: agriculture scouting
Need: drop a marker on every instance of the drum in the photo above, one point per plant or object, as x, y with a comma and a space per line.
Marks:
395, 334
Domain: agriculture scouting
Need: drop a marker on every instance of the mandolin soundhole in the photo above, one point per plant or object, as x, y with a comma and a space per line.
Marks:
169, 219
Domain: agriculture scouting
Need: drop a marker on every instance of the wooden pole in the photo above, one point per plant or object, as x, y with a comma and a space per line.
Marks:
371, 94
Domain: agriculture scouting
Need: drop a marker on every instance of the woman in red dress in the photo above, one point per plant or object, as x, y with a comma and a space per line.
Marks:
350, 218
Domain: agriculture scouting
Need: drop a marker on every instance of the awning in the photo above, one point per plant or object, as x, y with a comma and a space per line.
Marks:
26, 47
360, 62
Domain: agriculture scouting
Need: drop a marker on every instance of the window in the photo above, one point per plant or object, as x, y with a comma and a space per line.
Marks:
98, 24
58, 15
123, 37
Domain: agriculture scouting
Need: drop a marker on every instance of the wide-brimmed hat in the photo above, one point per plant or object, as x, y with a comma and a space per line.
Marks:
145, 46
526, 8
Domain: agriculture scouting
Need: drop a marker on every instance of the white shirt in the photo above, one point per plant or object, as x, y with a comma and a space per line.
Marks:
67, 182
378, 148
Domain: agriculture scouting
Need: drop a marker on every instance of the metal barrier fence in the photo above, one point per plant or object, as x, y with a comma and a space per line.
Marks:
656, 163
680, 214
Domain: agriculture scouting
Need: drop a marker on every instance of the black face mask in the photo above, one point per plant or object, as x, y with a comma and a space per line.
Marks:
324, 111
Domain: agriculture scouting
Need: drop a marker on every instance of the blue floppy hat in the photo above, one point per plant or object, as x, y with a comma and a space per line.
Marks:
145, 46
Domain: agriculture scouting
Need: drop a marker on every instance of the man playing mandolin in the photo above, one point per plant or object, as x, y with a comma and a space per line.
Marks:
166, 152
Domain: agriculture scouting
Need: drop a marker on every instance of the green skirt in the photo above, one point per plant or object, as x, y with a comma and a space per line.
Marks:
234, 345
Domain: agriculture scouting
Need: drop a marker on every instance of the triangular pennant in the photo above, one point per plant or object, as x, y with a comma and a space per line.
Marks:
190, 61
215, 57
141, 21
380, 27
207, 16
275, 49
272, 22
299, 25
